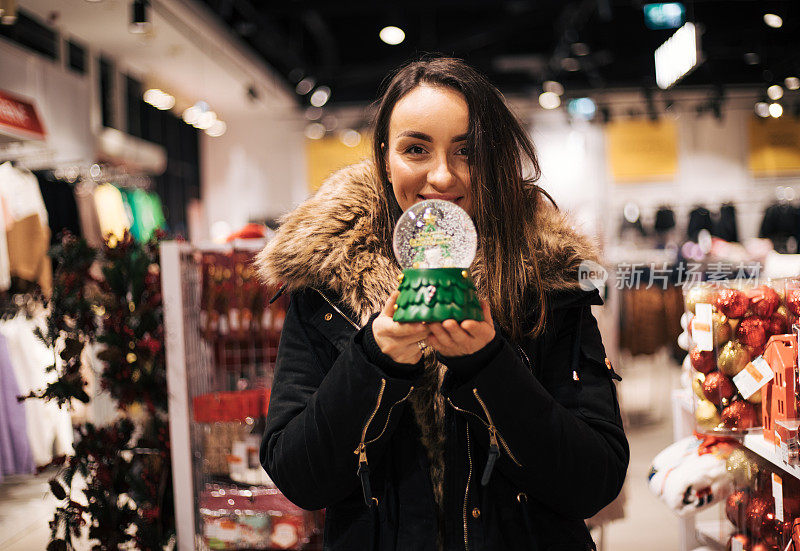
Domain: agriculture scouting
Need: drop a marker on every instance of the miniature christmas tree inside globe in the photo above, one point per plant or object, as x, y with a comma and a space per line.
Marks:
435, 243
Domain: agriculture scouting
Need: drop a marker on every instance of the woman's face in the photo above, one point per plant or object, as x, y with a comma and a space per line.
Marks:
426, 157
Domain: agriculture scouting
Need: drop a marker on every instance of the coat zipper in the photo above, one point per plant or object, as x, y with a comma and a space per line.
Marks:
388, 417
525, 358
332, 305
499, 436
466, 492
361, 451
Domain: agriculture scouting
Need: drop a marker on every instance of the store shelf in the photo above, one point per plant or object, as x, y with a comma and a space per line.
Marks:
756, 443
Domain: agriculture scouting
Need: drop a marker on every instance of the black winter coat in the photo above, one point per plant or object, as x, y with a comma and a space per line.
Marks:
534, 437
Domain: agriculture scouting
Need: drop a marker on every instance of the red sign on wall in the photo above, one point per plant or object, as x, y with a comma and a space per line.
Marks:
18, 118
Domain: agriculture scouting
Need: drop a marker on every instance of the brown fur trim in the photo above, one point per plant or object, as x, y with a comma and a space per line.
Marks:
331, 241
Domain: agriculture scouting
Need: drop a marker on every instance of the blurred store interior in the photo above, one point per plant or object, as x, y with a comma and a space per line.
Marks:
669, 131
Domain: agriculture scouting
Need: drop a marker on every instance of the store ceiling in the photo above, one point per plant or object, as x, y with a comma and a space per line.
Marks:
518, 43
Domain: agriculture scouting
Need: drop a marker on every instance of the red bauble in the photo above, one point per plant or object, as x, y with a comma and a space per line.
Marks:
764, 301
732, 303
735, 507
777, 325
752, 332
717, 387
702, 360
793, 301
760, 516
740, 415
763, 546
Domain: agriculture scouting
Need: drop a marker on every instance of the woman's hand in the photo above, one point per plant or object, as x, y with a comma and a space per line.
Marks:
399, 341
452, 339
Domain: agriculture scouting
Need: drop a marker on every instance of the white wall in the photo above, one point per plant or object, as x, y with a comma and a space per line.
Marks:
256, 169
62, 97
712, 168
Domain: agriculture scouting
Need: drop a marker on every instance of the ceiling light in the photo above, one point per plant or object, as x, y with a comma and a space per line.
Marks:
775, 92
206, 120
8, 12
570, 64
315, 131
190, 114
549, 100
762, 109
580, 49
151, 96
751, 58
582, 108
775, 110
140, 22
792, 83
392, 35
773, 20
217, 129
320, 96
350, 137
313, 113
305, 86
553, 86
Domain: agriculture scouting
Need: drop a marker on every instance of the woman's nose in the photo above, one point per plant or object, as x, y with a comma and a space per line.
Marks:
441, 174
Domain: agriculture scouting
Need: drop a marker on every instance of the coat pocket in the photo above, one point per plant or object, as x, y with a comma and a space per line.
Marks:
597, 395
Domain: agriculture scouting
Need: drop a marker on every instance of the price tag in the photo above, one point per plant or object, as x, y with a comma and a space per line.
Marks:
701, 327
777, 493
754, 375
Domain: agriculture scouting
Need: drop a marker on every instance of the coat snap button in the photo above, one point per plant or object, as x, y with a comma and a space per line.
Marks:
328, 316
476, 513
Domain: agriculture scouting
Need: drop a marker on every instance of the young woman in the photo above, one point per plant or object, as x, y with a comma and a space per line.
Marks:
496, 435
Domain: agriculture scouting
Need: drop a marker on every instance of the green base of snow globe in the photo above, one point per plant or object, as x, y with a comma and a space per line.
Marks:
437, 294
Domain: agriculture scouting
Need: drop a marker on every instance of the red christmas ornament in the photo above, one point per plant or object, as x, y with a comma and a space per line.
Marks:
752, 332
732, 303
777, 325
717, 387
762, 546
760, 516
735, 507
740, 415
702, 360
764, 301
793, 301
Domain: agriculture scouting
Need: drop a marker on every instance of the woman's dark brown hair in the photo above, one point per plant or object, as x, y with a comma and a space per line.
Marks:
499, 151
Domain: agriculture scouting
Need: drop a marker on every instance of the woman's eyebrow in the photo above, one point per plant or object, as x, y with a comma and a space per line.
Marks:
425, 137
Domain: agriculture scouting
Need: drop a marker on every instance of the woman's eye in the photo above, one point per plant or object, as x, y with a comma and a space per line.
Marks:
415, 150
462, 151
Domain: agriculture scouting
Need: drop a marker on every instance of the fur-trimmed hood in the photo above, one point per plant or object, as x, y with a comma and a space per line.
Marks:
331, 241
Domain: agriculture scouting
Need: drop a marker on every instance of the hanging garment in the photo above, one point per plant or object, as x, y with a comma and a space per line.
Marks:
780, 225
699, 219
59, 199
49, 427
145, 213
665, 220
726, 227
5, 266
20, 192
111, 211
15, 449
28, 243
87, 214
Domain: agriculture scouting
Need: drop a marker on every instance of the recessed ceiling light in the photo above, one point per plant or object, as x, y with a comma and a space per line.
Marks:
315, 131
775, 110
751, 58
792, 83
775, 92
570, 64
392, 35
305, 86
580, 48
549, 100
773, 20
320, 96
553, 86
762, 109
